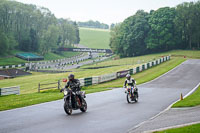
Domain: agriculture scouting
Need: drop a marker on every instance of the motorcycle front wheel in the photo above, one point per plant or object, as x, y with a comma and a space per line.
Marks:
67, 109
84, 105
128, 97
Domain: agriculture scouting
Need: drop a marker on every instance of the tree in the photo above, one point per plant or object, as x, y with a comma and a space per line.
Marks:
49, 41
77, 33
26, 27
161, 35
34, 46
188, 23
3, 43
112, 26
128, 39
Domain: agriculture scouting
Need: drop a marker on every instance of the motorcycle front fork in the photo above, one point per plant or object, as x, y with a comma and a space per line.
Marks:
132, 92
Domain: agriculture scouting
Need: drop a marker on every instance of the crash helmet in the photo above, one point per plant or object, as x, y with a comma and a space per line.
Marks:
128, 76
71, 77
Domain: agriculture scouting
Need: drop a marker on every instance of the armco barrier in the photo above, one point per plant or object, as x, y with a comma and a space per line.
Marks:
131, 71
121, 74
82, 81
95, 79
11, 66
137, 69
9, 90
87, 81
107, 77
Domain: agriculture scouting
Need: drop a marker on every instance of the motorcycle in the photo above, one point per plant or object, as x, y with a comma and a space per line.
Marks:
75, 104
132, 94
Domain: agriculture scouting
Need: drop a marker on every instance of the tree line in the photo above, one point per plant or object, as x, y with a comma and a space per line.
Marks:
31, 28
157, 31
93, 24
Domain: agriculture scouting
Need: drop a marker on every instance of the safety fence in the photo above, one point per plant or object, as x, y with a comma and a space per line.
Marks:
107, 77
59, 62
12, 66
53, 85
10, 90
70, 60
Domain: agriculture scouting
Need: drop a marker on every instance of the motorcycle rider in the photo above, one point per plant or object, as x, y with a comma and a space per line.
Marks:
131, 82
74, 84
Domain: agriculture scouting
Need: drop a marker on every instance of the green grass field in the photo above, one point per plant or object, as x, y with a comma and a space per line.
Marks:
190, 101
187, 129
11, 61
94, 38
53, 56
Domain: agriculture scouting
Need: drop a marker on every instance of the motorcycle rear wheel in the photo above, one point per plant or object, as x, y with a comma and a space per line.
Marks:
84, 105
66, 107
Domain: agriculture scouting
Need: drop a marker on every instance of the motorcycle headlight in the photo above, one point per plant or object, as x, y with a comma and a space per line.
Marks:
65, 92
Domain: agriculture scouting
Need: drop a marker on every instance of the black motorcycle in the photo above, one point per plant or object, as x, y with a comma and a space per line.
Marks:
72, 101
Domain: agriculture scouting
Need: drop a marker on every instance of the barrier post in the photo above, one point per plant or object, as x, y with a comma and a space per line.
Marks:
58, 84
39, 87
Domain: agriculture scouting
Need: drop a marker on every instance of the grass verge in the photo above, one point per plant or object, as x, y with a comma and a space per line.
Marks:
23, 100
187, 129
16, 101
190, 101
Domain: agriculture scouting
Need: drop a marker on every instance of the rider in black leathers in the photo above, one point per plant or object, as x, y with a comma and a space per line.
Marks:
74, 84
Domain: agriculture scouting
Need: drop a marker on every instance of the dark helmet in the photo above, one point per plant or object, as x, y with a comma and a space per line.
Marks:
71, 77
128, 76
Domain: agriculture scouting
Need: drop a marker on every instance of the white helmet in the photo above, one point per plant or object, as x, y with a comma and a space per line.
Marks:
128, 76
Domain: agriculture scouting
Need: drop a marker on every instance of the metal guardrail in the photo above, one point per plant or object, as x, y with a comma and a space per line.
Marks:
10, 90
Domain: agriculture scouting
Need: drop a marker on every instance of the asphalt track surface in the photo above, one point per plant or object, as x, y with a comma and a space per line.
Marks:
108, 112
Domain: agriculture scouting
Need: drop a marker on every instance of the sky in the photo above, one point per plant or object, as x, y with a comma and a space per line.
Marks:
106, 11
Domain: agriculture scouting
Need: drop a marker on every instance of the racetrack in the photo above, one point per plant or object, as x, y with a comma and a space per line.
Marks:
108, 111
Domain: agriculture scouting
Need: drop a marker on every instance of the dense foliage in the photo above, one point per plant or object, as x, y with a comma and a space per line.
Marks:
93, 24
31, 28
161, 30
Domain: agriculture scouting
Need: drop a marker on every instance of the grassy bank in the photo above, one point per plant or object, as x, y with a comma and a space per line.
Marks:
190, 101
187, 129
53, 56
11, 61
94, 38
144, 76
